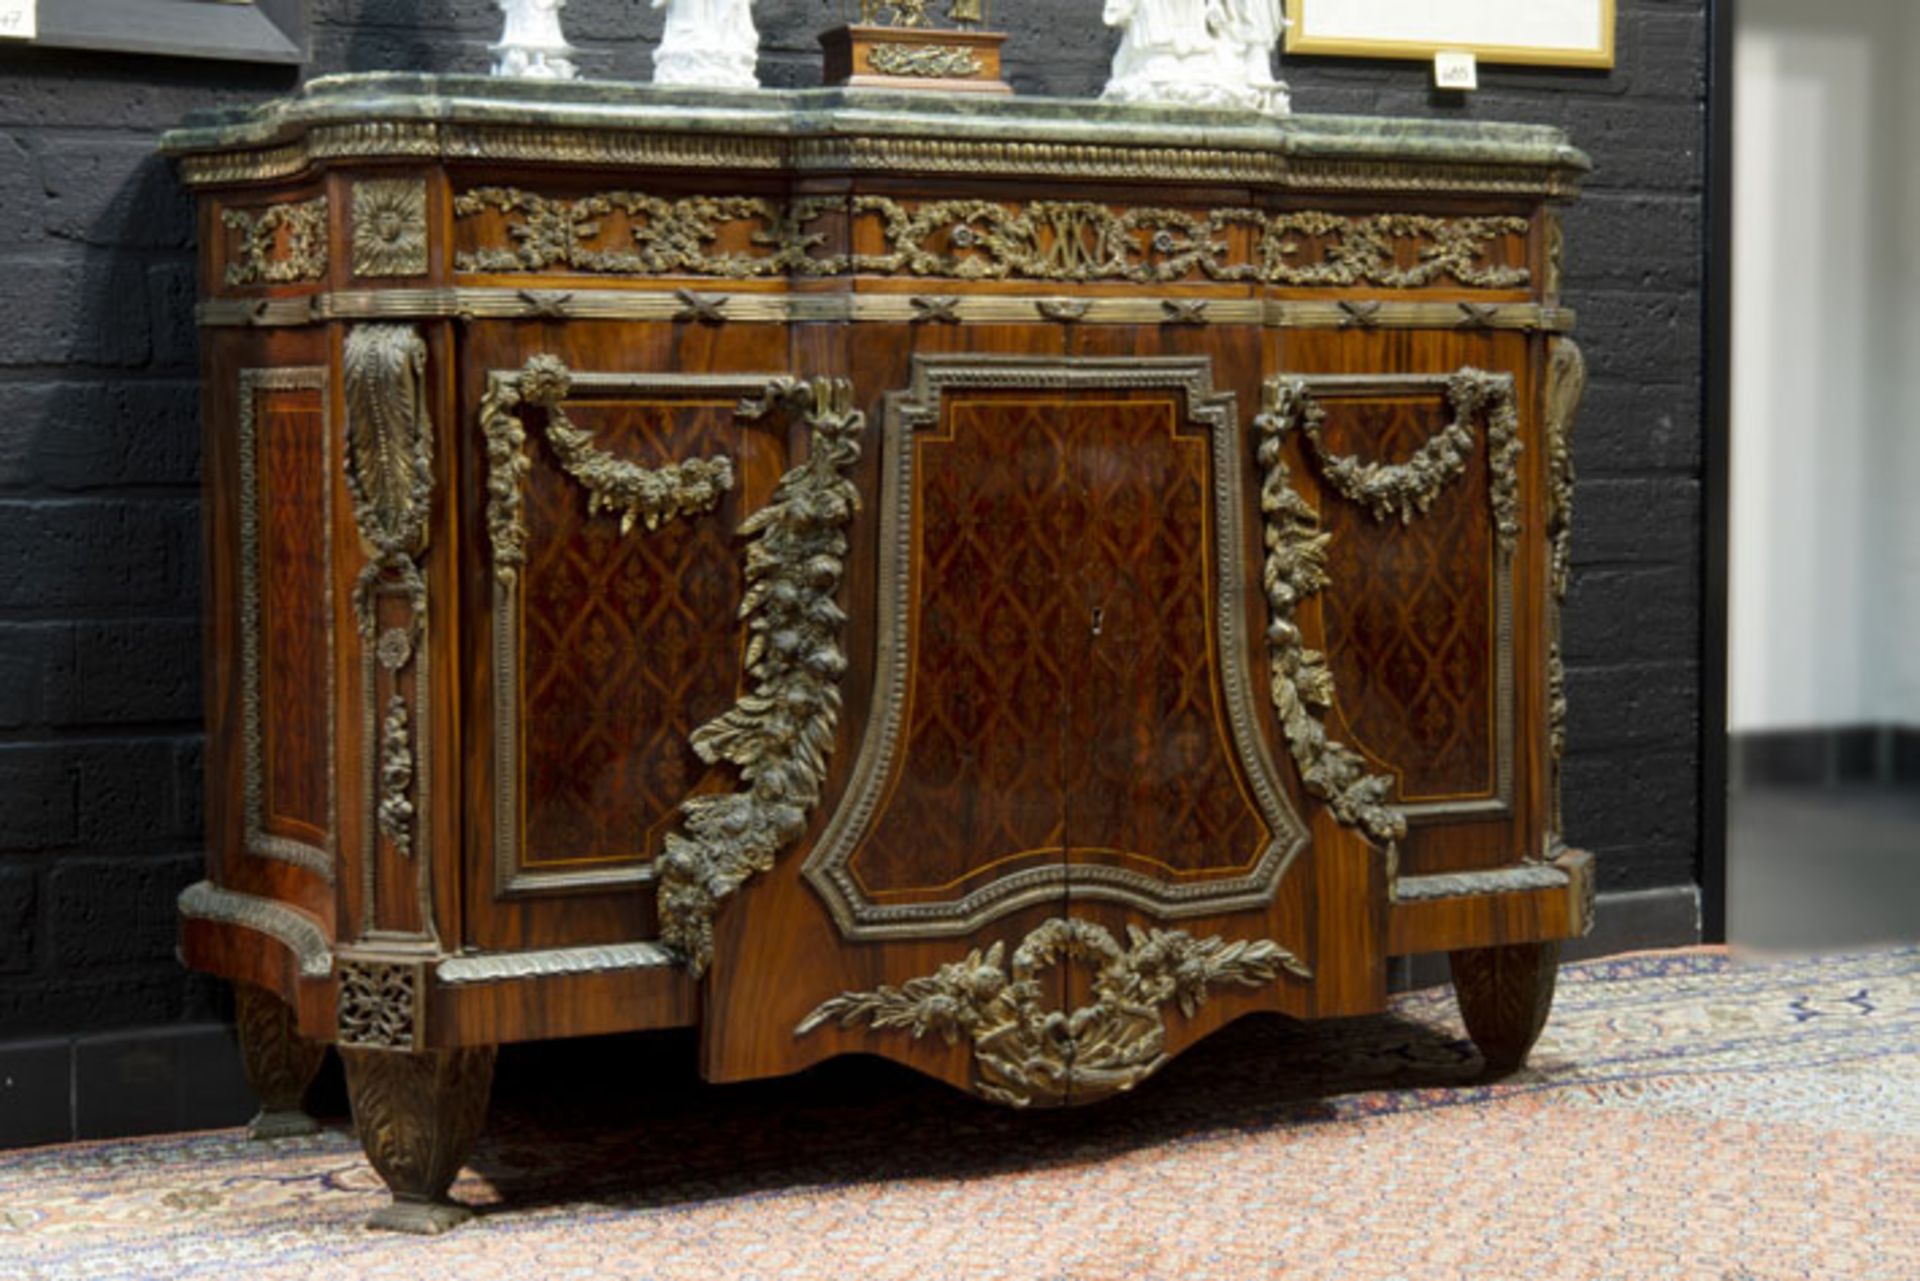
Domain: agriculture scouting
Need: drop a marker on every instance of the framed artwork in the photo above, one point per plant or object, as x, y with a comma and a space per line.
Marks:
244, 30
1565, 33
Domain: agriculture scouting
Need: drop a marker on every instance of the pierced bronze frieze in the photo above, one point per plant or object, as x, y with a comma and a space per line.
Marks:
1081, 241
628, 233
284, 244
1393, 251
625, 233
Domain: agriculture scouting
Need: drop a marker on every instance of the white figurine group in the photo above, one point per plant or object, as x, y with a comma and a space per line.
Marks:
706, 42
1204, 53
1208, 53
532, 46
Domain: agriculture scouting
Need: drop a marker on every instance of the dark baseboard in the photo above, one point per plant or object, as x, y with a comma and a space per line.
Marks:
139, 1081
1826, 756
1639, 921
1625, 921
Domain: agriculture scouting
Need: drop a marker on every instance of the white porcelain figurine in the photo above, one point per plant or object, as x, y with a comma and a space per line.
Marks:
532, 45
1201, 53
707, 42
1250, 29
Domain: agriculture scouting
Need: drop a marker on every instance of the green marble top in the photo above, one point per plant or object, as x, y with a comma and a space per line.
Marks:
455, 116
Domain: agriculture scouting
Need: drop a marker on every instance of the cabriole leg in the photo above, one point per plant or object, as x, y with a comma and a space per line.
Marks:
1505, 993
280, 1063
418, 1115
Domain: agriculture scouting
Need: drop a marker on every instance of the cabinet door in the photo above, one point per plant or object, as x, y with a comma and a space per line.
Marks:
960, 813
1423, 482
603, 618
1062, 691
1157, 701
1063, 715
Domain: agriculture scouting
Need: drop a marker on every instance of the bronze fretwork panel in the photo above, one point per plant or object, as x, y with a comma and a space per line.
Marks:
627, 641
1409, 615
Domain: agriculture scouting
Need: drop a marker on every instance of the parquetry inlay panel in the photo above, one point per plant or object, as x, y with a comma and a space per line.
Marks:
1410, 630
1064, 697
1152, 778
297, 613
984, 730
1014, 490
627, 642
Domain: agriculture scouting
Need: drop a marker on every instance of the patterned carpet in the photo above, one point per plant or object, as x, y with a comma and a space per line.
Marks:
1686, 1116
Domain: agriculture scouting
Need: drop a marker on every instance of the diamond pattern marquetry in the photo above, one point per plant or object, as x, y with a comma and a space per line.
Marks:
295, 614
1409, 623
1027, 730
1154, 781
982, 742
627, 643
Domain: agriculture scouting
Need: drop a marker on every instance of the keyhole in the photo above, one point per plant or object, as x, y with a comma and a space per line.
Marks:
1099, 614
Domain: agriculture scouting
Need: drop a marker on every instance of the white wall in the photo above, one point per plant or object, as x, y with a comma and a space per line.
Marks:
1899, 496
1825, 592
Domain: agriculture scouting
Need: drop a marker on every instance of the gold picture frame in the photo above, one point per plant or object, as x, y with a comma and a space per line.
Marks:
1316, 28
263, 31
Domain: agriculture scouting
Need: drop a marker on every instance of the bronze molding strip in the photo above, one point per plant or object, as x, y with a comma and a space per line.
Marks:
501, 967
293, 929
1503, 880
432, 141
549, 302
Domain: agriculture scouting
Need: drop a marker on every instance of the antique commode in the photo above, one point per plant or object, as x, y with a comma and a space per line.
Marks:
1006, 585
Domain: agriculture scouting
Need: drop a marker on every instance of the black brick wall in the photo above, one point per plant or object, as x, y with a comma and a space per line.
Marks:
99, 529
